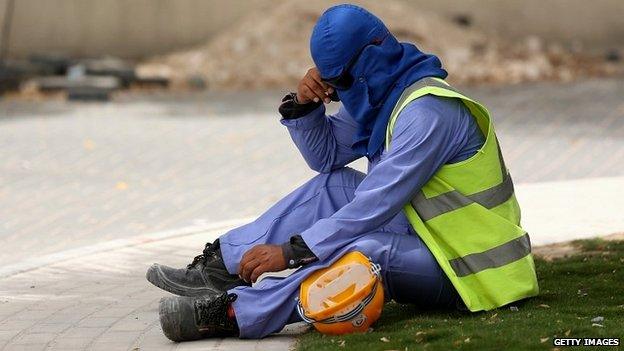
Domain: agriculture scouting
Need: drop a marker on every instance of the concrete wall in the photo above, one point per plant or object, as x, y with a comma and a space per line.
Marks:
131, 28
136, 28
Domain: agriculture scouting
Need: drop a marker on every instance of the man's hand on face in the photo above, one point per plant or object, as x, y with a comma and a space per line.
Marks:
260, 259
311, 88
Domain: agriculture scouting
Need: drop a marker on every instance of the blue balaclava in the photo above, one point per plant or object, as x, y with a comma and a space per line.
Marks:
381, 71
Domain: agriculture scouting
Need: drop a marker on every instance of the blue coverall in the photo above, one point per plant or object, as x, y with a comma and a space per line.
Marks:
342, 210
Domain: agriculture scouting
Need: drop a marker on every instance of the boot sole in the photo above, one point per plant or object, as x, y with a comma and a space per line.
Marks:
167, 310
155, 276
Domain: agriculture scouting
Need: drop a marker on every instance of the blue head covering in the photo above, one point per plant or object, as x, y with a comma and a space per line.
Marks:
381, 71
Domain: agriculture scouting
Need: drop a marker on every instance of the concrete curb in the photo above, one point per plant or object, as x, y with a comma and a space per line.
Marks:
561, 211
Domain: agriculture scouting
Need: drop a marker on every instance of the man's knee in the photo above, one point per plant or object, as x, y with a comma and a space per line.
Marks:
344, 176
376, 246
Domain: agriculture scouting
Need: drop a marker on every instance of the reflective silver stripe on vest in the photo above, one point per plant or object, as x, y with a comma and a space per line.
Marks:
425, 82
443, 203
453, 200
496, 257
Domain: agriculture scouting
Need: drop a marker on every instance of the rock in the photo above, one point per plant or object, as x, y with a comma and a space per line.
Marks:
598, 319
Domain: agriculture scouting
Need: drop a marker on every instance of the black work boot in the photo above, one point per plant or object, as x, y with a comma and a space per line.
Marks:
184, 318
205, 275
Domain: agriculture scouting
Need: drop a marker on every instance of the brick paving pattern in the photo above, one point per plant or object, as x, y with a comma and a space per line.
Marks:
80, 174
102, 302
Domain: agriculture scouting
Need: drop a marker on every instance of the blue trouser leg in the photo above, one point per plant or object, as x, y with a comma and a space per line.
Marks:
318, 198
410, 272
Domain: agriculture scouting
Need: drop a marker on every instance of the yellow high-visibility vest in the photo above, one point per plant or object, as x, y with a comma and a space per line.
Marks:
469, 218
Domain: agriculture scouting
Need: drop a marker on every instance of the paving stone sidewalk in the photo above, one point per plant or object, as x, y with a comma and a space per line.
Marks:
75, 174
79, 182
101, 301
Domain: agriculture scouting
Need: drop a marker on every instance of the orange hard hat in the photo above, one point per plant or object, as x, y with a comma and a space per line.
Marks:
346, 297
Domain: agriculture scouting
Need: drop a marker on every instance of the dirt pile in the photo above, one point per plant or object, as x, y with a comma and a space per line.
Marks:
269, 49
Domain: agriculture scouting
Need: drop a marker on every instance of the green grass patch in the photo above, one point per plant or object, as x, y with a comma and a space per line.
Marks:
573, 291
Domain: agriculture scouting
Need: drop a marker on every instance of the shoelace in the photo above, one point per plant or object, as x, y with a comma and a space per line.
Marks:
212, 312
209, 251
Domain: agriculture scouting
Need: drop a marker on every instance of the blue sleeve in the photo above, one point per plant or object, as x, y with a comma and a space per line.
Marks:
428, 133
324, 141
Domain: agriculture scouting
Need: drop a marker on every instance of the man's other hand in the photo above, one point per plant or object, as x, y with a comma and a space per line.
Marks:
311, 88
260, 259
